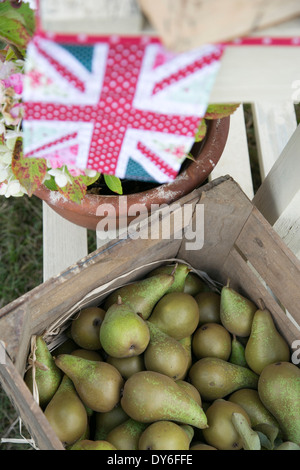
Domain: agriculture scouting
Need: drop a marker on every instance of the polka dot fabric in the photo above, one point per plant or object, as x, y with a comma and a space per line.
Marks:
125, 98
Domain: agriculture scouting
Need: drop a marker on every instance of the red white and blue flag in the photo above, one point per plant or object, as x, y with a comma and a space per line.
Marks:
123, 106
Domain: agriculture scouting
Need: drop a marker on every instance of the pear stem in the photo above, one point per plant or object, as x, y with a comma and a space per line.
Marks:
119, 302
228, 282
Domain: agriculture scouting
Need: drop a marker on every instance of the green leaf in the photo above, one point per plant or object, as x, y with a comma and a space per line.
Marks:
29, 171
113, 183
16, 25
219, 111
249, 437
88, 180
24, 14
74, 191
50, 184
201, 132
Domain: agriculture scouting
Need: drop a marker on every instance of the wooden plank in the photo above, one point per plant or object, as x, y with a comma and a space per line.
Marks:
257, 73
91, 16
282, 183
226, 209
29, 411
235, 158
274, 124
184, 24
245, 281
64, 243
274, 262
288, 225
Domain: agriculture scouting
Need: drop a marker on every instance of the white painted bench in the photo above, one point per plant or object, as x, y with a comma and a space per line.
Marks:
266, 77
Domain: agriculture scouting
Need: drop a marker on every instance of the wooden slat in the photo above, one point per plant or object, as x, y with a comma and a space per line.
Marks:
245, 281
271, 258
257, 73
278, 196
92, 16
29, 411
235, 158
64, 243
274, 124
226, 209
288, 225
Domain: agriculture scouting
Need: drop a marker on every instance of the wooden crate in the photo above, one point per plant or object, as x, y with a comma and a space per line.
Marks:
238, 243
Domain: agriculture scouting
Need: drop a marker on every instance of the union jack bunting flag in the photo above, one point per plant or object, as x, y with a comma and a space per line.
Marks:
123, 106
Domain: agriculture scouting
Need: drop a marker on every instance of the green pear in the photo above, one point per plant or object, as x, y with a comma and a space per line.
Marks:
93, 445
179, 271
105, 422
236, 312
66, 413
265, 345
194, 285
215, 378
221, 432
176, 314
189, 430
123, 332
202, 446
150, 396
279, 391
190, 390
87, 354
165, 354
252, 404
142, 295
127, 366
211, 340
97, 383
47, 375
237, 355
209, 307
164, 435
187, 344
85, 328
83, 437
126, 436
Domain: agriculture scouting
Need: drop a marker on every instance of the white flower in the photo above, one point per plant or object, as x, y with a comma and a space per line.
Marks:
60, 176
12, 188
4, 174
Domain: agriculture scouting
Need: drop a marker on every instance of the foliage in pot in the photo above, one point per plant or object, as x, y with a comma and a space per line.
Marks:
52, 181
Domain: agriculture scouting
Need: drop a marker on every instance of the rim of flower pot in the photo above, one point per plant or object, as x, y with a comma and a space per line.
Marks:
206, 154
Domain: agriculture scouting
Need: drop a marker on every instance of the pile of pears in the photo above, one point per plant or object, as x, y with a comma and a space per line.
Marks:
169, 363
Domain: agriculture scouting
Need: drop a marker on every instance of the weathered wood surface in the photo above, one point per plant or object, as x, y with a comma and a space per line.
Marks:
63, 243
235, 159
91, 16
278, 196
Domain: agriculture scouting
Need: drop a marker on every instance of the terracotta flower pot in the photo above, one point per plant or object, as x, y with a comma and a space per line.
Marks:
206, 154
